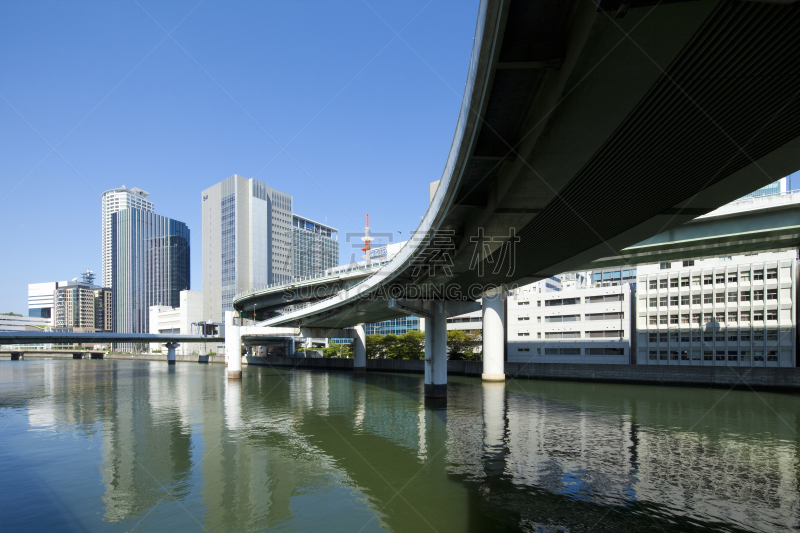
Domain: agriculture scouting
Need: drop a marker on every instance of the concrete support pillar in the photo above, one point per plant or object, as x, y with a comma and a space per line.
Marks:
171, 352
436, 352
360, 350
233, 347
291, 347
493, 336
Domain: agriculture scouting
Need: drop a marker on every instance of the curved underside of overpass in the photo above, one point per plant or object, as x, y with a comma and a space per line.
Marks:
589, 127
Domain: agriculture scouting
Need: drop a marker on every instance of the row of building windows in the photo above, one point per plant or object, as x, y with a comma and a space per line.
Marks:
713, 355
617, 334
736, 335
710, 318
576, 301
712, 279
718, 297
575, 351
574, 318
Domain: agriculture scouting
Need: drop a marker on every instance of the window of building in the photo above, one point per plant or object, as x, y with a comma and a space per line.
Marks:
758, 295
772, 314
523, 334
732, 316
539, 335
685, 282
562, 335
772, 355
605, 351
695, 299
758, 275
772, 273
732, 296
665, 266
662, 319
733, 355
653, 356
673, 300
696, 336
720, 278
758, 355
685, 299
616, 334
684, 336
685, 318
652, 320
708, 355
663, 337
605, 316
708, 279
731, 277
744, 296
708, 298
539, 319
662, 284
673, 355
720, 336
673, 319
538, 303
684, 355
653, 302
719, 317
720, 298
695, 354
604, 298
745, 336
523, 303
662, 301
744, 276
758, 335
697, 318
653, 284
772, 334
720, 355
563, 318
745, 316
689, 263
523, 349
653, 337
562, 351
733, 337
745, 356
673, 282
523, 318
695, 281
563, 301
772, 294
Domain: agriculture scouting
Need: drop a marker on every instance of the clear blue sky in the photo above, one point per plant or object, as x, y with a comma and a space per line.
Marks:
366, 118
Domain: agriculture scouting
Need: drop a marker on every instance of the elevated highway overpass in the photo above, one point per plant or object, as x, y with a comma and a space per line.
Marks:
585, 128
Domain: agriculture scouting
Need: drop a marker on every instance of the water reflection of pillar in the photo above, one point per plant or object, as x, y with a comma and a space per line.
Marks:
233, 404
495, 422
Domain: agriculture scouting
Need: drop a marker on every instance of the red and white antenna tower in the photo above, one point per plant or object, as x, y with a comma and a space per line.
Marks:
366, 238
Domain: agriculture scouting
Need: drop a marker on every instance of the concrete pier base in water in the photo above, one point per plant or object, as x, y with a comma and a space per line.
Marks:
493, 336
171, 346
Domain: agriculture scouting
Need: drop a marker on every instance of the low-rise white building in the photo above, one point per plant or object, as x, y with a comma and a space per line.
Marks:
186, 320
583, 326
730, 311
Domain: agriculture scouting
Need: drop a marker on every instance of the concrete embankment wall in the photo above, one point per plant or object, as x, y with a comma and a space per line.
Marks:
703, 376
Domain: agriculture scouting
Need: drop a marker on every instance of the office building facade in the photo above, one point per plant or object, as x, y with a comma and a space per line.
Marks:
150, 255
247, 240
41, 300
113, 201
586, 326
315, 247
79, 305
731, 311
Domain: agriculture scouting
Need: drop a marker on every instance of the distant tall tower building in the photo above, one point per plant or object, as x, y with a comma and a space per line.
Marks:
315, 247
150, 257
247, 240
116, 200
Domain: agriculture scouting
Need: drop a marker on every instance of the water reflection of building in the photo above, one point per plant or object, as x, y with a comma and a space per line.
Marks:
739, 466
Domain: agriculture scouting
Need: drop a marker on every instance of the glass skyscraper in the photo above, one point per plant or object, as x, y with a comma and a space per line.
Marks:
150, 266
315, 248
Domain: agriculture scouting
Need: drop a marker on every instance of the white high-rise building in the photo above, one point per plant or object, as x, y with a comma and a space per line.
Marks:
115, 200
247, 240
